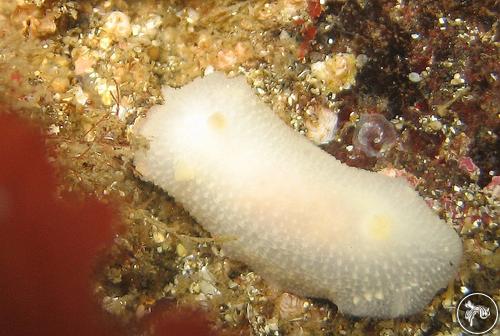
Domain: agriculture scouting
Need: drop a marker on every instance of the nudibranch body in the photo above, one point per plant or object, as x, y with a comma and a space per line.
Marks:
299, 217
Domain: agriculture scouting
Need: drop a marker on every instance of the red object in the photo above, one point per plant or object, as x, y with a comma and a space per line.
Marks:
495, 183
466, 163
48, 250
47, 246
314, 8
170, 321
16, 76
309, 34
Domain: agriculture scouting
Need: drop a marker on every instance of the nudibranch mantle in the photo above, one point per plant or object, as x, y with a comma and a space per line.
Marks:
300, 218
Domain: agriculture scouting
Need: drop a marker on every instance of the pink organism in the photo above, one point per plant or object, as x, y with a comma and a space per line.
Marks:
374, 135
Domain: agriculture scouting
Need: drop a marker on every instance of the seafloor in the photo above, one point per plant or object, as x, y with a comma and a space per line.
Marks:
408, 88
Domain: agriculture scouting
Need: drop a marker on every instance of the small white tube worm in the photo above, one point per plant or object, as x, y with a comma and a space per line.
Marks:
300, 218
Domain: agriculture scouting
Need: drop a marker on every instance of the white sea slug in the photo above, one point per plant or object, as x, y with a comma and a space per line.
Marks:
295, 214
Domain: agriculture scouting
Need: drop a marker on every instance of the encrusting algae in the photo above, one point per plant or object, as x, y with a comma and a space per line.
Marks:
86, 70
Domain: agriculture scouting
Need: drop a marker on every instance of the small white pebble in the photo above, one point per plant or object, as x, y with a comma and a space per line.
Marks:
136, 29
121, 111
152, 25
414, 77
118, 24
361, 60
158, 237
207, 288
284, 35
105, 43
457, 79
193, 15
53, 129
181, 250
80, 96
326, 127
208, 70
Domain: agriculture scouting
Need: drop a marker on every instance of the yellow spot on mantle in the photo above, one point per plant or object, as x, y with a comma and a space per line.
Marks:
380, 227
217, 121
183, 171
